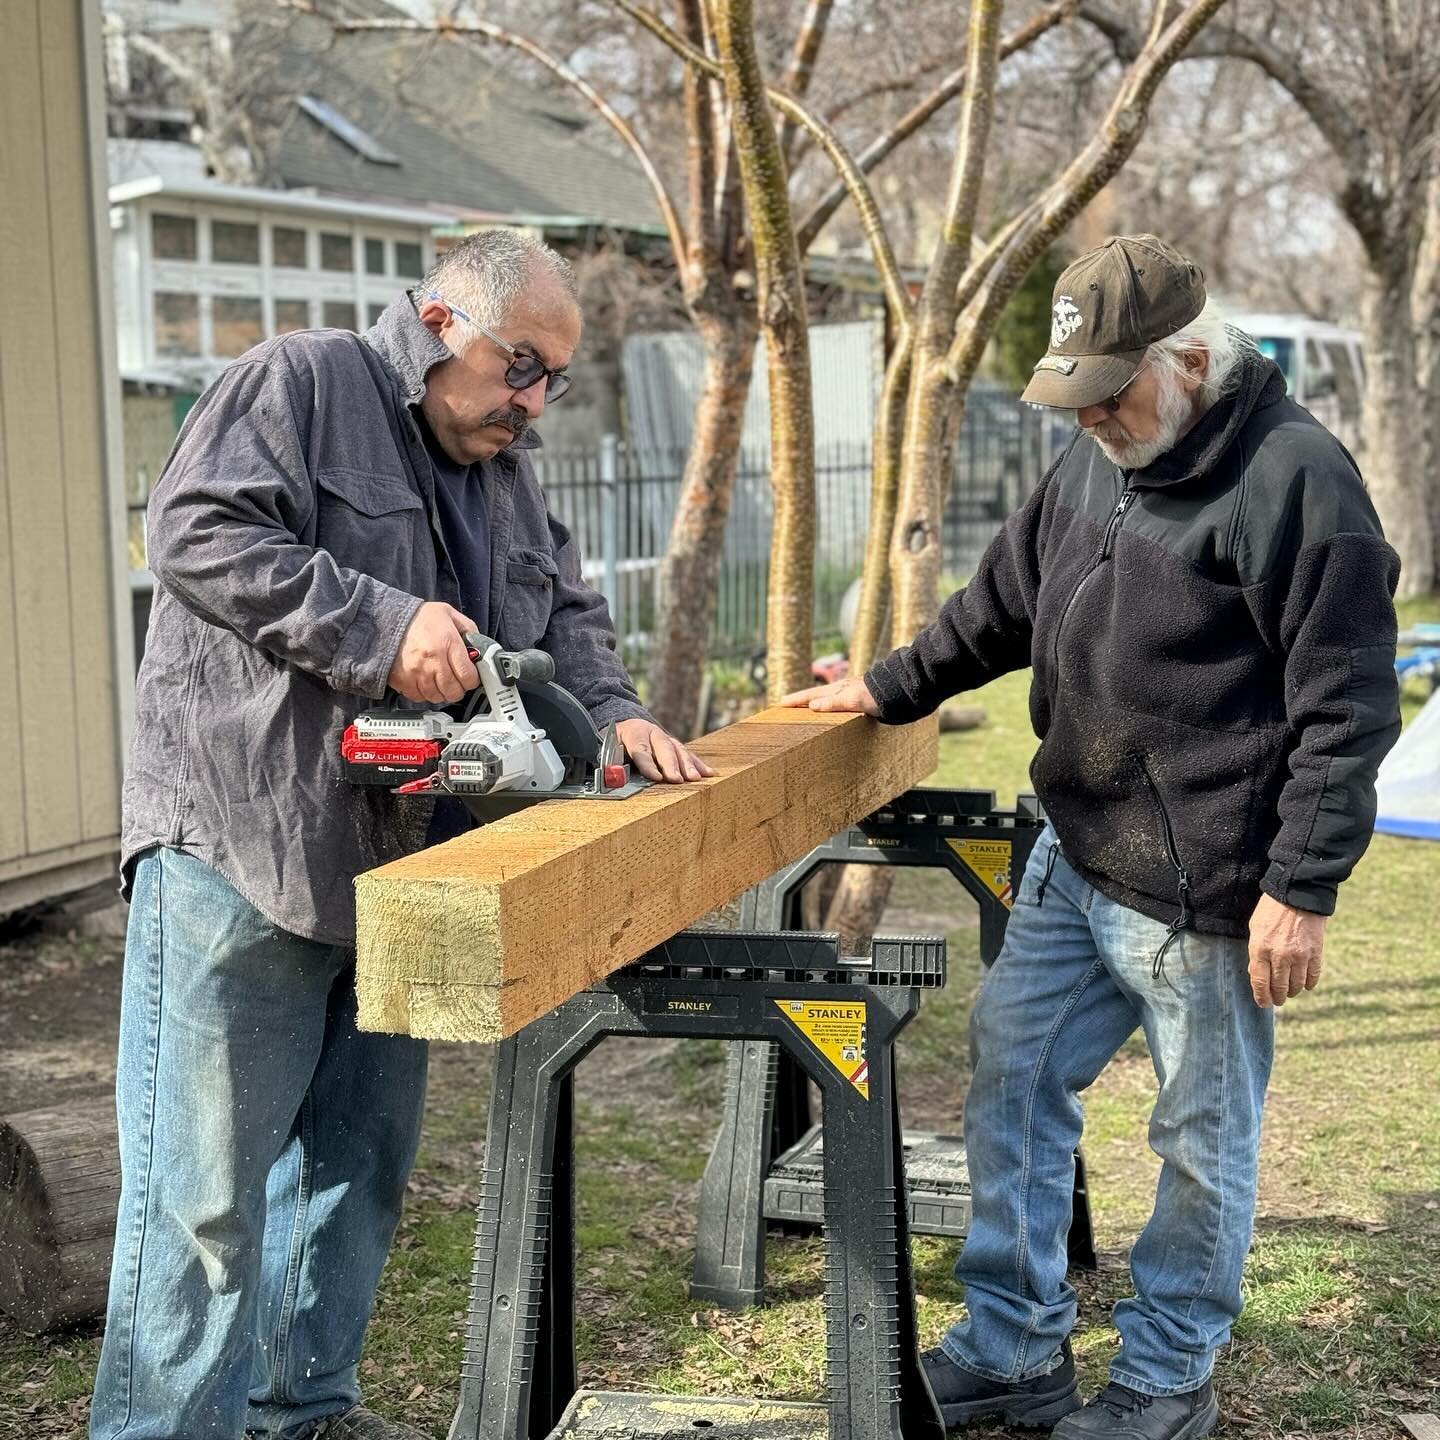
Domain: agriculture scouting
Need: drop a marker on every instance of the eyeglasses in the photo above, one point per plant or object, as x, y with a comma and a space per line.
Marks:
1113, 403
523, 371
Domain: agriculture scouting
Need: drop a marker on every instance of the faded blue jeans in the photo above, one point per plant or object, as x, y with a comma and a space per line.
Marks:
264, 1148
1073, 981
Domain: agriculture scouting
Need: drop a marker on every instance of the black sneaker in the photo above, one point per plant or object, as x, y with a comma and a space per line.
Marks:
1120, 1413
358, 1423
964, 1396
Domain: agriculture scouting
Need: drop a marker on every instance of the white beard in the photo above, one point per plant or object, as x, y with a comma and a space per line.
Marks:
1173, 409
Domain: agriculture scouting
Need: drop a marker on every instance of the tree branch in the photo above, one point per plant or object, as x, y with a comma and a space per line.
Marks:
1345, 137
953, 84
700, 132
891, 86
796, 79
896, 295
1081, 181
456, 30
937, 303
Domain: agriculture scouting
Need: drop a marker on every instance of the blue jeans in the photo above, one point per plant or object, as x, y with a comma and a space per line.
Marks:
1073, 981
264, 1148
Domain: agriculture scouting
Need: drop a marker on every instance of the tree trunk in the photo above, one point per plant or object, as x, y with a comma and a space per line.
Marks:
1425, 304
689, 576
780, 289
1395, 469
872, 619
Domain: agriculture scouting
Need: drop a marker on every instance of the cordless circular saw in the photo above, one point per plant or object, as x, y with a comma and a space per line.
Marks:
519, 739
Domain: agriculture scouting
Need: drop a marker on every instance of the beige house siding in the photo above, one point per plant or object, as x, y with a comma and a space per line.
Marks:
61, 715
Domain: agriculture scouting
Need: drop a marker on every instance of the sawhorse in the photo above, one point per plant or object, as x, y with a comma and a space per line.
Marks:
766, 1109
837, 1019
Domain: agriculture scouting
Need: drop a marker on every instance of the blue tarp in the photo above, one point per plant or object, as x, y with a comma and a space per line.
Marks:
1408, 790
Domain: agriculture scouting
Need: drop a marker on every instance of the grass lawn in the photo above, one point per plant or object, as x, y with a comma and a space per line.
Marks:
1342, 1329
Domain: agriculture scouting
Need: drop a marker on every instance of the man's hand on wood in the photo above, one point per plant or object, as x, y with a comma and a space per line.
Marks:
433, 664
853, 695
659, 756
1285, 951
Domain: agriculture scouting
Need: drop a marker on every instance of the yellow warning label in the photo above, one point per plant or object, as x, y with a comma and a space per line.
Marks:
837, 1031
990, 860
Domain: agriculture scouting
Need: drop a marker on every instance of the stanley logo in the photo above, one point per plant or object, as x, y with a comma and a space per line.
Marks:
837, 1012
698, 1007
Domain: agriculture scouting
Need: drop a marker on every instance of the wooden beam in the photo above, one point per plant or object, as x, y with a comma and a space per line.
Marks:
473, 939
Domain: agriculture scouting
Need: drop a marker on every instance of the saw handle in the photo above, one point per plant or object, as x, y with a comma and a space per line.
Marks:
532, 665
510, 665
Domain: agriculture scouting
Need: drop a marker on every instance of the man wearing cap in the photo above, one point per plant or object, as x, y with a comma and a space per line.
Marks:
1203, 591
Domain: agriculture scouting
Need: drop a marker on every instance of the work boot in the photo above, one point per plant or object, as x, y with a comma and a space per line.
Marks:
1120, 1413
358, 1423
964, 1396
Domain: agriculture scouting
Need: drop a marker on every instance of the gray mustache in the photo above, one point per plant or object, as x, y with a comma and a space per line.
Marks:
513, 420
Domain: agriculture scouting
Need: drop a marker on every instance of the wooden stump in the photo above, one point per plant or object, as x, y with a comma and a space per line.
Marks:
59, 1190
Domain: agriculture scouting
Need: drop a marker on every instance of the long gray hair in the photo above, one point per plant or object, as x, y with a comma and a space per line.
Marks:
1226, 346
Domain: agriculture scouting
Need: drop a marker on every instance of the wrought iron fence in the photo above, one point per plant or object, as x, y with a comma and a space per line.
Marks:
619, 503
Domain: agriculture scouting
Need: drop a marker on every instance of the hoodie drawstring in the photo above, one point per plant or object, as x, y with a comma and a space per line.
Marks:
1172, 931
1049, 870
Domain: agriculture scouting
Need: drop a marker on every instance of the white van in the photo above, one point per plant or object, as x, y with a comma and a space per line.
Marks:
1324, 367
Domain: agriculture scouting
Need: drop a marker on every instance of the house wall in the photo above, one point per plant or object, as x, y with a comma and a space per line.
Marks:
325, 296
63, 712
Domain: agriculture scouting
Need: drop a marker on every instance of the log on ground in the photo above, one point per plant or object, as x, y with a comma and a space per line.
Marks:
59, 1188
473, 939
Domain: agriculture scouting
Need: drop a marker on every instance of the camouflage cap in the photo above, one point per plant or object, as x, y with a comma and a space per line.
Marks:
1109, 306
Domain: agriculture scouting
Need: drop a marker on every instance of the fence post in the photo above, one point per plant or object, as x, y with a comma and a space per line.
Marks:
610, 525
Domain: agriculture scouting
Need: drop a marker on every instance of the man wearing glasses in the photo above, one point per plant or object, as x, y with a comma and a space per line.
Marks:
1202, 589
338, 511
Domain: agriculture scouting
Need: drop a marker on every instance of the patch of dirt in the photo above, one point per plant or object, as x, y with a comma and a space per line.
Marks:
59, 1016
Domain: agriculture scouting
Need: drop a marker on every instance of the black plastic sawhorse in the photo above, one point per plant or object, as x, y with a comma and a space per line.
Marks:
766, 1110
837, 1020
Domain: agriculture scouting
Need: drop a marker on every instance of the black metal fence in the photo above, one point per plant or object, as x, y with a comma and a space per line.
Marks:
619, 503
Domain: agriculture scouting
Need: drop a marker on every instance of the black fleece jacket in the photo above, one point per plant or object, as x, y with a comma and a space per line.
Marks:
1213, 643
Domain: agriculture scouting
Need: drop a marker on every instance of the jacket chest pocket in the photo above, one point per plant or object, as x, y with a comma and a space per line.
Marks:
529, 597
368, 521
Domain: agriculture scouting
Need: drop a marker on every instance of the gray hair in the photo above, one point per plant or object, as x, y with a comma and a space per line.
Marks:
1226, 346
487, 274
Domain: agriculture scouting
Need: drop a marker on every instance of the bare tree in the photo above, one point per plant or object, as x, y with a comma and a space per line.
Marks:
716, 262
942, 336
1367, 75
220, 83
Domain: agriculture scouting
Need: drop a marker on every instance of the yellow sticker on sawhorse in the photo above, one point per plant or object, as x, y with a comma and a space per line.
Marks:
990, 860
837, 1031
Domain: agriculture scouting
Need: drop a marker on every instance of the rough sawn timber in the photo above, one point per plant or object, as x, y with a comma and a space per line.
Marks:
473, 939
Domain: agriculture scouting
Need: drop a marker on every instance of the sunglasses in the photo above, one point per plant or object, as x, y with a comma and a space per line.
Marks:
1113, 403
523, 371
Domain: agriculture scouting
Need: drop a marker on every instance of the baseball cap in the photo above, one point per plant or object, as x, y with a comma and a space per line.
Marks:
1108, 307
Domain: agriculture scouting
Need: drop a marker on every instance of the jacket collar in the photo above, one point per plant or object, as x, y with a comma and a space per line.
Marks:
1202, 447
410, 352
